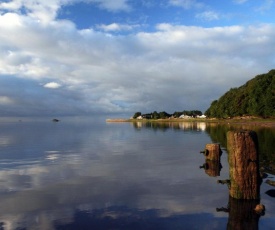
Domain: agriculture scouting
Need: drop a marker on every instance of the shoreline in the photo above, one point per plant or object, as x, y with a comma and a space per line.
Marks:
247, 121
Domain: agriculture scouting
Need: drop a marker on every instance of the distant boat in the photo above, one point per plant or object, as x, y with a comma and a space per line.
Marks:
55, 120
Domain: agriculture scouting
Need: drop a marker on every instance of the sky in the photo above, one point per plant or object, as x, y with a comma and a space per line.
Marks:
118, 57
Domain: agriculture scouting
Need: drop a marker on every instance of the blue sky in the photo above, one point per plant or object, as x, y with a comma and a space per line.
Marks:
116, 57
145, 15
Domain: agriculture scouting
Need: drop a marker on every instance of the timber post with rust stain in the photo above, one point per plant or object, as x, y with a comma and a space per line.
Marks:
243, 158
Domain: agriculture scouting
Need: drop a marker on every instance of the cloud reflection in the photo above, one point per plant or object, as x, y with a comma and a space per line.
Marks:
110, 172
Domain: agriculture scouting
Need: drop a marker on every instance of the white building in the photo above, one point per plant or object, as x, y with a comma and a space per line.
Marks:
184, 116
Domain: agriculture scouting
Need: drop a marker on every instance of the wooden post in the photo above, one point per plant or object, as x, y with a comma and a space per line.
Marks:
243, 161
212, 152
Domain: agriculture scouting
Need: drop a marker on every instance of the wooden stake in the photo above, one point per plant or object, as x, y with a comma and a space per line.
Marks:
243, 161
212, 152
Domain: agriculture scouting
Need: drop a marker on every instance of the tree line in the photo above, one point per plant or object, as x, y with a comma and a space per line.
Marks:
165, 115
255, 98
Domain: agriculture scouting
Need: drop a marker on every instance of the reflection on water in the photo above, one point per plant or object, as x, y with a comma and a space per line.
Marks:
199, 126
92, 175
266, 138
212, 168
241, 214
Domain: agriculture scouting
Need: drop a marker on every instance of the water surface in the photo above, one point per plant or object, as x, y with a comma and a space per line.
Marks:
78, 174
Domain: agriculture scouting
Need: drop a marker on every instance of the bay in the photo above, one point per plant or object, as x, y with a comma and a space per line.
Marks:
88, 174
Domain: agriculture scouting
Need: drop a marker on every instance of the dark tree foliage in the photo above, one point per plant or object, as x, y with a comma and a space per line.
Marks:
255, 98
136, 115
162, 115
155, 115
191, 113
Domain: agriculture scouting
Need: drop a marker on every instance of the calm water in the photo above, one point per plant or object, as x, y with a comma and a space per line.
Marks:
95, 175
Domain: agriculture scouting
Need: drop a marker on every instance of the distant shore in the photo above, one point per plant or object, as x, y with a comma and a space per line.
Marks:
237, 121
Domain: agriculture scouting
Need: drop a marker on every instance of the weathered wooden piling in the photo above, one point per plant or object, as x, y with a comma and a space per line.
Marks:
243, 158
212, 152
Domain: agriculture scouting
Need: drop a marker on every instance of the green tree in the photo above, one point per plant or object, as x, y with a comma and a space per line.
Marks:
255, 98
164, 115
136, 115
155, 115
177, 114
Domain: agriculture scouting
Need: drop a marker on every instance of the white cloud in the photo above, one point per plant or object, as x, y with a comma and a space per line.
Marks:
52, 85
4, 100
101, 73
266, 6
208, 15
113, 5
116, 27
46, 11
186, 4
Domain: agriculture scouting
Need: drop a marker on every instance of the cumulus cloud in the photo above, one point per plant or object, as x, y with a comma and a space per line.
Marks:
171, 68
208, 16
46, 11
116, 27
38, 9
52, 85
